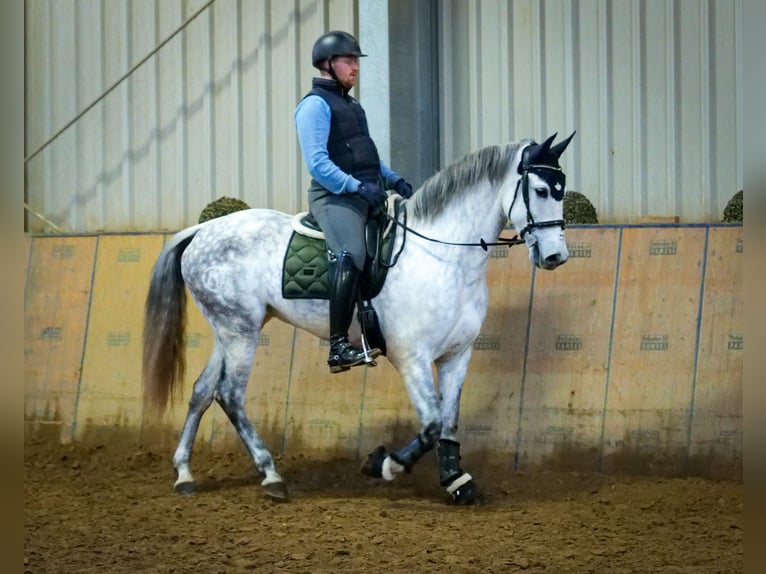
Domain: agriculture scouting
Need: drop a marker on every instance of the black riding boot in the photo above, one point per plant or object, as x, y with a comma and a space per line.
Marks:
344, 280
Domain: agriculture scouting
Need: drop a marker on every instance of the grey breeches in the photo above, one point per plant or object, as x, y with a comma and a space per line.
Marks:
342, 219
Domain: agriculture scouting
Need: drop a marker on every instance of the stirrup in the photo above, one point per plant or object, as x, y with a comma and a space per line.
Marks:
369, 354
365, 356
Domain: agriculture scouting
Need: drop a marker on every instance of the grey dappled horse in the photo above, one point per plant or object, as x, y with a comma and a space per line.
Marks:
430, 309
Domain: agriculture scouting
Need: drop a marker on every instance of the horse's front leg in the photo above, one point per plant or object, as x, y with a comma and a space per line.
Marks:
419, 383
459, 484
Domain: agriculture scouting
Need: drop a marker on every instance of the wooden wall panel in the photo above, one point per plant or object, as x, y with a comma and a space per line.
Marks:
110, 390
652, 362
323, 409
489, 407
568, 357
57, 297
717, 424
629, 359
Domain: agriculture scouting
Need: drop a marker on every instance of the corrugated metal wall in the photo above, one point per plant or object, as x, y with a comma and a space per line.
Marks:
210, 115
654, 88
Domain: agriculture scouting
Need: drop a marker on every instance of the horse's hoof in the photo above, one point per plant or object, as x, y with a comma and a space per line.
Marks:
277, 491
373, 466
467, 494
185, 488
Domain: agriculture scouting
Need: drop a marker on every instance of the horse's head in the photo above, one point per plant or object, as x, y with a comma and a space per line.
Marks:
537, 205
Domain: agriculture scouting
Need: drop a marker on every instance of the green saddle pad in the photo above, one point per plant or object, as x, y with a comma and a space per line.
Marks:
305, 271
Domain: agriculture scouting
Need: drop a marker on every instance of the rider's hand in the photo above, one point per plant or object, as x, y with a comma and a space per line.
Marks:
375, 196
403, 188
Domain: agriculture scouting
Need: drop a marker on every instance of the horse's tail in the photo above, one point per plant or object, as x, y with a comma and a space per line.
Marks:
164, 359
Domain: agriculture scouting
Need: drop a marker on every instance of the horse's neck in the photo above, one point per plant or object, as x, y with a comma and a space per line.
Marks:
469, 218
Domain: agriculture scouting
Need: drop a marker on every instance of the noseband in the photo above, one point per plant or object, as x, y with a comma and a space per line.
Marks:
558, 181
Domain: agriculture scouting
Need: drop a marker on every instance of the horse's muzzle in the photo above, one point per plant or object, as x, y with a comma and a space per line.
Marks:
549, 262
553, 261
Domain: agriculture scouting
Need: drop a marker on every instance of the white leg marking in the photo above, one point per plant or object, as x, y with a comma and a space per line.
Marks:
390, 469
184, 474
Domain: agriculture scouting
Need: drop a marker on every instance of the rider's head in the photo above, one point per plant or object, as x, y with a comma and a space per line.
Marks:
336, 54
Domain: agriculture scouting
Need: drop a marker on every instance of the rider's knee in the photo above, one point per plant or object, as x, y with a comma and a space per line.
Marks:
346, 259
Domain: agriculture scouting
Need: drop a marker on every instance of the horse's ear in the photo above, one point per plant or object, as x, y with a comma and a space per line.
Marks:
541, 149
559, 148
536, 152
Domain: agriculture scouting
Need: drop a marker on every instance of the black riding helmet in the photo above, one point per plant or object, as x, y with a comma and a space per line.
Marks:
333, 44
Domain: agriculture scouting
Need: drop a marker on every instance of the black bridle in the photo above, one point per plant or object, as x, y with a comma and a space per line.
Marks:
556, 184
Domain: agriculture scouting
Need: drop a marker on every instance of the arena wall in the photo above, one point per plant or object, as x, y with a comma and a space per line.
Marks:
627, 359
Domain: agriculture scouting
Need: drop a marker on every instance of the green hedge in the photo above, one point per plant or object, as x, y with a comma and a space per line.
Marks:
222, 206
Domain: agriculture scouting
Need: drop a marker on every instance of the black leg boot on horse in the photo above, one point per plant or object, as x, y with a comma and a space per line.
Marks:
344, 282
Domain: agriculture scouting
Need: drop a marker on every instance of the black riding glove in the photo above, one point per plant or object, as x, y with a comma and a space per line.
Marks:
375, 196
403, 188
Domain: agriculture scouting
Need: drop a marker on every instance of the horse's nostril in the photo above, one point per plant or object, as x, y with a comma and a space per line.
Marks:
554, 259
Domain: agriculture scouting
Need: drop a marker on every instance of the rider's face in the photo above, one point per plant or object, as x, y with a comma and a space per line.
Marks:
346, 69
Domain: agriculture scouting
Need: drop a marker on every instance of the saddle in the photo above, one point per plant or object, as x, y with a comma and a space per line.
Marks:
305, 267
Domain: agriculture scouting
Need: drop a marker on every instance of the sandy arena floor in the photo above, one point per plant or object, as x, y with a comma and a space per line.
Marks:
104, 509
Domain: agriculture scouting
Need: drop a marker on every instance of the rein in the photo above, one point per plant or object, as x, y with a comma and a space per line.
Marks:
483, 244
523, 182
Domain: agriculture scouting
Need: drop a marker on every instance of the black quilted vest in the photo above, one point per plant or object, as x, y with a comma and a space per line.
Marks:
349, 144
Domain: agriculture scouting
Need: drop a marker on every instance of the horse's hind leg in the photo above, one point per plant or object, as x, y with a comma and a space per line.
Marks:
230, 394
201, 398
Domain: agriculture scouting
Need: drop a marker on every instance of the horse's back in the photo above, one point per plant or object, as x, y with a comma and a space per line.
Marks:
236, 260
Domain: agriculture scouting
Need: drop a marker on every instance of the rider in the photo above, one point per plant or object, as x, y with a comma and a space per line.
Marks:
348, 180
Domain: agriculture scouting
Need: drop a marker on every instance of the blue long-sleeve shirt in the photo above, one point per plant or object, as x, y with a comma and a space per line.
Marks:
312, 122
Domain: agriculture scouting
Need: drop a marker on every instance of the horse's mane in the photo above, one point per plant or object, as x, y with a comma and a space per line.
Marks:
491, 162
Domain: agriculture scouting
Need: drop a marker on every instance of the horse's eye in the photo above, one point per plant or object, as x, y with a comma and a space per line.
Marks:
542, 192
